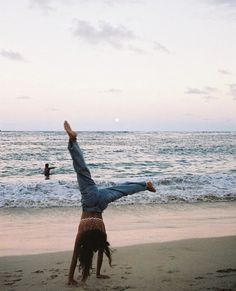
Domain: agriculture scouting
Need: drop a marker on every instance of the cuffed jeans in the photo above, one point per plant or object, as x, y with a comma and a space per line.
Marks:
92, 198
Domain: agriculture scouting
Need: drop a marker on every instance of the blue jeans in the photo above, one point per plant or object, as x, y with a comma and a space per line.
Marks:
92, 198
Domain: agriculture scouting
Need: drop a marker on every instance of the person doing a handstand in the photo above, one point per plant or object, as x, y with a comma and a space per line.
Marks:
91, 236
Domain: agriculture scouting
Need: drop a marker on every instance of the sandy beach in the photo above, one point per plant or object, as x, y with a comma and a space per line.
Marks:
197, 264
161, 247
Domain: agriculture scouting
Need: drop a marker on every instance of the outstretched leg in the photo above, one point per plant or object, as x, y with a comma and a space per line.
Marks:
114, 193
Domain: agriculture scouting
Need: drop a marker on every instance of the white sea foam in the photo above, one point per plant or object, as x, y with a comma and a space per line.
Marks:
63, 193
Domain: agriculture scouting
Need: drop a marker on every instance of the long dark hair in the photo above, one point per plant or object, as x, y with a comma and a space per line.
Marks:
90, 242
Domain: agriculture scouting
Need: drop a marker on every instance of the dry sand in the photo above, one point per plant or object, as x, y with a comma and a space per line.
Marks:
196, 264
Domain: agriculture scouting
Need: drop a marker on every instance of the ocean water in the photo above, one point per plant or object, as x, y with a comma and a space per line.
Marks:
184, 167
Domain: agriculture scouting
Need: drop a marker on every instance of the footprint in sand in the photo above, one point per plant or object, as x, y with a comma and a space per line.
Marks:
226, 272
16, 280
221, 276
229, 270
9, 283
172, 271
53, 276
122, 288
38, 272
54, 270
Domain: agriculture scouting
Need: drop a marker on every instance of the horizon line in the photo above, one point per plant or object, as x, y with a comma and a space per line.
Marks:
37, 130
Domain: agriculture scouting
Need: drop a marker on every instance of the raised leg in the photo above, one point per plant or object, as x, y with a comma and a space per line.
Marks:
83, 174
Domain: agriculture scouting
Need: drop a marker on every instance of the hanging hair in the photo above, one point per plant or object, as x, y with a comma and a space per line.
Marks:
90, 242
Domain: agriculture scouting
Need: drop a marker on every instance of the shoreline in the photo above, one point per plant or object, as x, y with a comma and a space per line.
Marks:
193, 264
53, 230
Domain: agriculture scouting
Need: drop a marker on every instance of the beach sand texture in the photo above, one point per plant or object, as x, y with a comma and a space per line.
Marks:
195, 264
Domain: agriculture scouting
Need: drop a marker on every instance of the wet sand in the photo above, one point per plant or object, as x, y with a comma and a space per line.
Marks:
32, 231
159, 247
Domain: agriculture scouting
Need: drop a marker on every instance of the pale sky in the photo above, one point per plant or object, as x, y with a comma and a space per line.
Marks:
118, 64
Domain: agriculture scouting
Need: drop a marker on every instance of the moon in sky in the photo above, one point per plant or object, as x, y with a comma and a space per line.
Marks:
117, 119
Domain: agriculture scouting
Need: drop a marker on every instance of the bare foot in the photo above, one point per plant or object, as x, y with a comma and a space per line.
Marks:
72, 134
150, 187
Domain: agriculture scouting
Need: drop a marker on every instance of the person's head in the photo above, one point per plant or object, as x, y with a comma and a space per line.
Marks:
90, 242
46, 165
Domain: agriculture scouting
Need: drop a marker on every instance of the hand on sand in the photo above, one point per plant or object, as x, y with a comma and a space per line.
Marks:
72, 134
150, 187
102, 276
72, 282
